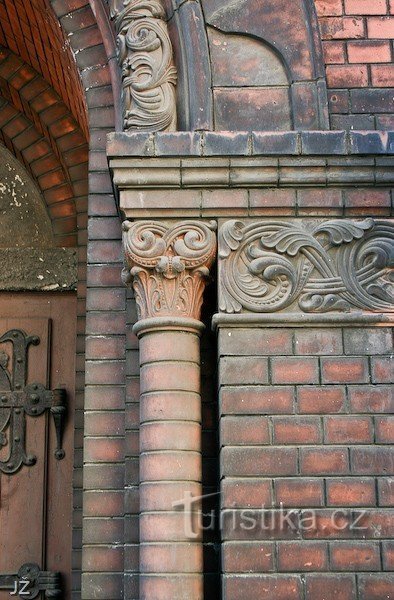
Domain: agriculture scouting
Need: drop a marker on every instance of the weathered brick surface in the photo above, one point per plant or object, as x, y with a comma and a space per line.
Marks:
357, 48
314, 439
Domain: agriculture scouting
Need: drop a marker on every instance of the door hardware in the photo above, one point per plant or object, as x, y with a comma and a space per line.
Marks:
30, 581
18, 399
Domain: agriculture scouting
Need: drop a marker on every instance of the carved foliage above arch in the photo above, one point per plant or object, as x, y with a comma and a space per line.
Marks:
145, 58
312, 266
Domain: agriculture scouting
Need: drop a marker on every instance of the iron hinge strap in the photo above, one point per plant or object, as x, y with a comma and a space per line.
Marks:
30, 581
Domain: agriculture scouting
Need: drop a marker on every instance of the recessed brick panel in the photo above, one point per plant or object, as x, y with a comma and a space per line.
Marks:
327, 449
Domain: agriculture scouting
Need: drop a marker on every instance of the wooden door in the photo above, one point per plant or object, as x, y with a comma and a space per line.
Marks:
36, 500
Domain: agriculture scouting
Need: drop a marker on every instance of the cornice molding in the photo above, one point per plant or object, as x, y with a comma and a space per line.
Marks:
168, 266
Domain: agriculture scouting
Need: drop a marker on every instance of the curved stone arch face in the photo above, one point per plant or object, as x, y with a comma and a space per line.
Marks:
25, 222
290, 30
251, 83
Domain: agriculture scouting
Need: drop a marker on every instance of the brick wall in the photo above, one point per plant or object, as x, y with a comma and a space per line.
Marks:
357, 43
305, 423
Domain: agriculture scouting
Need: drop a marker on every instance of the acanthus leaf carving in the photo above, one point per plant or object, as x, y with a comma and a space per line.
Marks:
168, 265
337, 265
145, 57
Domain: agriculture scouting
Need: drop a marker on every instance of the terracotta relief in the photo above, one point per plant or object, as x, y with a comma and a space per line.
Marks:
145, 57
336, 265
168, 265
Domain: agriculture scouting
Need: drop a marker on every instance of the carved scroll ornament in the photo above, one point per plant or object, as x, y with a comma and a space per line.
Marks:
336, 265
145, 57
168, 265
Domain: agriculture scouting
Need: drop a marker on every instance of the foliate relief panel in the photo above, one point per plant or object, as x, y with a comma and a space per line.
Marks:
312, 266
168, 265
146, 60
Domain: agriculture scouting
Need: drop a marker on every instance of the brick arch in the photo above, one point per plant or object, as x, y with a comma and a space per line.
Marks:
26, 143
40, 130
90, 34
30, 29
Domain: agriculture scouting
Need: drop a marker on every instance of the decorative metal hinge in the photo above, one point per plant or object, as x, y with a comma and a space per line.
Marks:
30, 581
18, 399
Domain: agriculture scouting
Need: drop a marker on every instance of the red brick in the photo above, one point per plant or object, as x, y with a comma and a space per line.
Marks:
321, 400
297, 430
382, 75
318, 198
300, 492
312, 341
246, 493
104, 476
372, 521
367, 198
338, 101
329, 7
302, 556
101, 558
259, 586
338, 28
105, 372
382, 370
256, 341
388, 555
386, 491
334, 53
244, 557
103, 450
376, 587
105, 251
104, 423
95, 506
242, 430
106, 299
351, 492
294, 370
381, 27
384, 428
348, 430
365, 7
257, 400
330, 587
245, 462
110, 584
104, 397
330, 524
372, 461
369, 52
371, 399
314, 461
347, 76
266, 198
345, 370
355, 556
244, 370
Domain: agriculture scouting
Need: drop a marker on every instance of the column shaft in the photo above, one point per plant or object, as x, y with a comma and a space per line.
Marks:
170, 462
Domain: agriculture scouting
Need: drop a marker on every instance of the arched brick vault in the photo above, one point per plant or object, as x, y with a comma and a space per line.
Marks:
42, 133
31, 31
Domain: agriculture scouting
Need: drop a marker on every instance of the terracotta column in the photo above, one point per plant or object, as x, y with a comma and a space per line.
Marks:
168, 265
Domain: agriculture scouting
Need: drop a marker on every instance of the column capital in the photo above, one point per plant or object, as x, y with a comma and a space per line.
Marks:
168, 265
